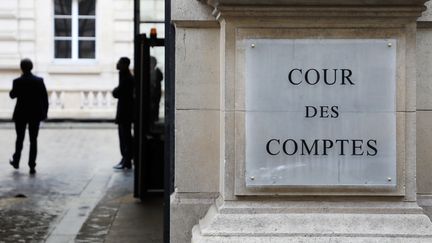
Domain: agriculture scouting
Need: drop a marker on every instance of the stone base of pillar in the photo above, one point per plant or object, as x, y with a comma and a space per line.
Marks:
301, 221
186, 210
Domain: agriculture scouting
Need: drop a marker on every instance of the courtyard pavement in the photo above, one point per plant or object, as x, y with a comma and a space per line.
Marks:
75, 195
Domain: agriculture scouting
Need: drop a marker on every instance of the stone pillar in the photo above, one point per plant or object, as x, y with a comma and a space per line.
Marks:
197, 116
366, 195
424, 108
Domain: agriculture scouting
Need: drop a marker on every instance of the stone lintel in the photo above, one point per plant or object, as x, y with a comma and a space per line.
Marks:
196, 24
218, 3
309, 11
313, 8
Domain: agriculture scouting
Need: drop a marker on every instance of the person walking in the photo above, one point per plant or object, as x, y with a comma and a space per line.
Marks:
124, 92
31, 108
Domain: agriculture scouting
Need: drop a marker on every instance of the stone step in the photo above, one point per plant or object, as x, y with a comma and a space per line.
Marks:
221, 227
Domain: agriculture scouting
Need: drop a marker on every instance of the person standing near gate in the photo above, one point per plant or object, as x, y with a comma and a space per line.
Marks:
31, 108
125, 110
156, 78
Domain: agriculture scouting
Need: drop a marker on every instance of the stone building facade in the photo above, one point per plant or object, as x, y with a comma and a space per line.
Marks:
208, 205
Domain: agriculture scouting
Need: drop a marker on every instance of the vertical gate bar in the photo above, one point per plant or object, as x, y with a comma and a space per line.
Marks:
169, 120
145, 117
137, 51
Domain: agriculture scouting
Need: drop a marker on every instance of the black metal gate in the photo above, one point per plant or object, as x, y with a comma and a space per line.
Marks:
148, 134
149, 176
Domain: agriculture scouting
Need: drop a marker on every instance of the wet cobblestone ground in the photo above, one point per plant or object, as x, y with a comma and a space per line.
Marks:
22, 226
73, 169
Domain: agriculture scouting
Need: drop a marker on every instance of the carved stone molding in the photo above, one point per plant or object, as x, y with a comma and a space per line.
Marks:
315, 8
316, 2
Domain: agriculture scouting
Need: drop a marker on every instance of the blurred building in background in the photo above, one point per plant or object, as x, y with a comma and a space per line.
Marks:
74, 45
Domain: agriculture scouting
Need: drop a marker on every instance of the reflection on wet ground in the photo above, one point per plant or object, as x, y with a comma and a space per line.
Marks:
73, 170
100, 221
119, 217
24, 225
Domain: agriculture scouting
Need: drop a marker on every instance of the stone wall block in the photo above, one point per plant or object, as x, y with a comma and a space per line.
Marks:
197, 151
197, 78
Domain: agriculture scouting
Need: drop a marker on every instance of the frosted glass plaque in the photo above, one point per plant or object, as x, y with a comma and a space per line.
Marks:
320, 112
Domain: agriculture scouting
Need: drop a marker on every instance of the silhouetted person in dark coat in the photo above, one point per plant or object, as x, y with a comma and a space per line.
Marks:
31, 108
124, 92
156, 78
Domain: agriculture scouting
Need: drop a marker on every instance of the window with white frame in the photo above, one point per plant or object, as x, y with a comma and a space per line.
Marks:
74, 29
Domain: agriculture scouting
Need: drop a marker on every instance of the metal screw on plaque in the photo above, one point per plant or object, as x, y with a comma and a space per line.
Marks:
389, 179
389, 44
253, 45
252, 178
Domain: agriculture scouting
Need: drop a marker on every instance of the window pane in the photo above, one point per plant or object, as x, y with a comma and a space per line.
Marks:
87, 49
152, 10
86, 7
87, 27
63, 49
63, 27
63, 7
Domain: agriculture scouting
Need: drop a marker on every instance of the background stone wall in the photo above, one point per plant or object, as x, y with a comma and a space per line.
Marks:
78, 88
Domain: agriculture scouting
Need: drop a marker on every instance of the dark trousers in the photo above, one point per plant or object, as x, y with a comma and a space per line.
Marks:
125, 138
20, 128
